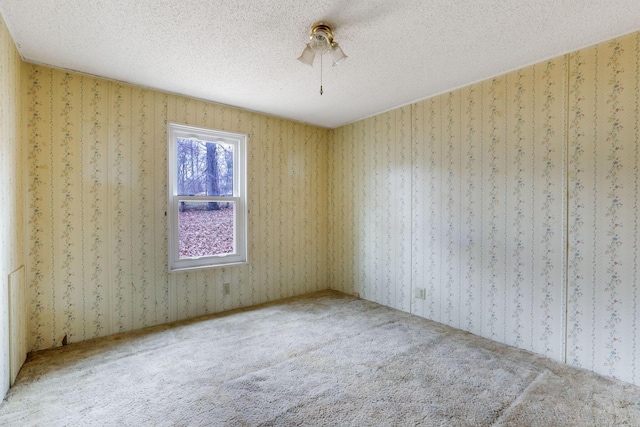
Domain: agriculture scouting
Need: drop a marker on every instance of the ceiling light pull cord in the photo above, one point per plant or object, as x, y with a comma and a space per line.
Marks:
321, 75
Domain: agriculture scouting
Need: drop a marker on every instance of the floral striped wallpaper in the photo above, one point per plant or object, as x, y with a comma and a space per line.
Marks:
97, 237
604, 198
460, 195
513, 202
11, 196
370, 211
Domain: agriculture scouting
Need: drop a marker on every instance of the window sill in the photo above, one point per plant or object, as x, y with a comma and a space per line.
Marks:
204, 267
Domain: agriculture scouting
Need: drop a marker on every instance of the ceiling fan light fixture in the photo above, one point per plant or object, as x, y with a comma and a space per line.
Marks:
320, 37
308, 55
321, 41
337, 54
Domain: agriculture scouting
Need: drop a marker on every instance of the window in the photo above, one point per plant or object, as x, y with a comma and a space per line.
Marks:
207, 197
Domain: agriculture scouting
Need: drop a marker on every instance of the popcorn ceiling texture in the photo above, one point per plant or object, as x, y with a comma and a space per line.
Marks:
243, 52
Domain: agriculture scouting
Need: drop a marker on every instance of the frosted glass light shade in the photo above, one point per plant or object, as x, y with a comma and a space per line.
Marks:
308, 55
319, 41
337, 54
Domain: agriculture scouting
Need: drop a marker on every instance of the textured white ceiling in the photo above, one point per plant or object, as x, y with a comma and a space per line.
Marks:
243, 52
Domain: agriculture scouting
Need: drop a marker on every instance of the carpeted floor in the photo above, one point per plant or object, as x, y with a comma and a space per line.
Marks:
322, 359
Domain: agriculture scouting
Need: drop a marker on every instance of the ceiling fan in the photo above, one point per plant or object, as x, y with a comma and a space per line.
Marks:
320, 42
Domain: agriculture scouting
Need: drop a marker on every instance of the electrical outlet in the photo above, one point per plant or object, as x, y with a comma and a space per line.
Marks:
421, 293
226, 289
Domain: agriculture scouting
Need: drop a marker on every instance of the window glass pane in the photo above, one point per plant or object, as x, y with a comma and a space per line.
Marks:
205, 228
204, 168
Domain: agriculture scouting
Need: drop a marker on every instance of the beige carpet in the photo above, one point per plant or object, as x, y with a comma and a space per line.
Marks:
323, 359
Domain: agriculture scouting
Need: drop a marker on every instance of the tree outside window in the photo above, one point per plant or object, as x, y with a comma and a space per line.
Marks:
207, 207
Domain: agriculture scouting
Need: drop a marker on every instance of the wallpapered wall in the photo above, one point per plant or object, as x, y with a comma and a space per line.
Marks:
11, 196
370, 213
604, 235
474, 196
97, 238
461, 195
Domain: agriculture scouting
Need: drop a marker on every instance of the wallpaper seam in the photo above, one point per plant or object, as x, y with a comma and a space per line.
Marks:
411, 209
482, 200
595, 215
566, 206
108, 226
82, 204
506, 203
53, 261
636, 208
533, 200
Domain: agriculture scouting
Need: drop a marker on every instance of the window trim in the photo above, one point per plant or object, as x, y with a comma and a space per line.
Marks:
239, 197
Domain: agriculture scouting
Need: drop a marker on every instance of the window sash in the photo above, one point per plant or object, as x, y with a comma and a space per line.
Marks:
239, 256
238, 238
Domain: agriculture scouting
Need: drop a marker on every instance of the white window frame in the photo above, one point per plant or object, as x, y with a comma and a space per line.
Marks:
239, 141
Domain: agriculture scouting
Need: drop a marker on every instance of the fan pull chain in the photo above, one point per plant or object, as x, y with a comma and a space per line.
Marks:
321, 75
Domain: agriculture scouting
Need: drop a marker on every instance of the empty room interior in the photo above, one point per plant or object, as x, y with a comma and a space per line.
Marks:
302, 213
